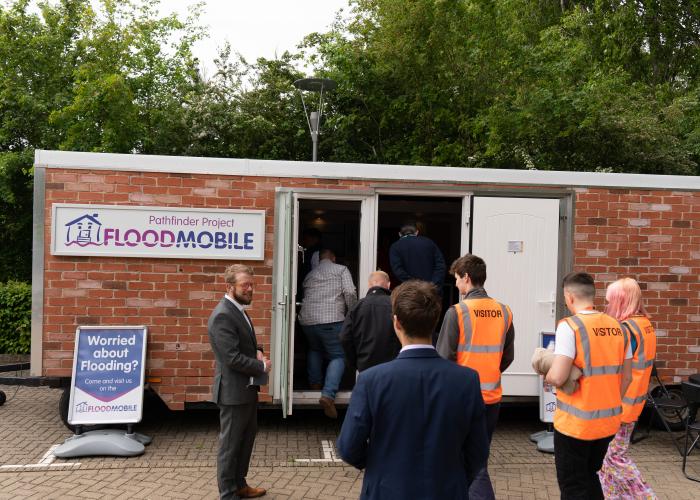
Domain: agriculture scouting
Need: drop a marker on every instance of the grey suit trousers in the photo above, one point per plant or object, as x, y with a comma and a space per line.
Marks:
239, 424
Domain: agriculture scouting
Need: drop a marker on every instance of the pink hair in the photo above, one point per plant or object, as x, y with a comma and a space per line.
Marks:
624, 299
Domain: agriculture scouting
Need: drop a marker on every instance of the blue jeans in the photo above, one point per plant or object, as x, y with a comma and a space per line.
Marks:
481, 488
325, 340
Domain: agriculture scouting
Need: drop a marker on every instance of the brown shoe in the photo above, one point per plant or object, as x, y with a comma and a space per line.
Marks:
328, 406
250, 492
316, 387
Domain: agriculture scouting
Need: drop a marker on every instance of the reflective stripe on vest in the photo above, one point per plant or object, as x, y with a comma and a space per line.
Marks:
491, 387
635, 401
642, 365
595, 409
480, 348
485, 358
643, 360
602, 370
589, 415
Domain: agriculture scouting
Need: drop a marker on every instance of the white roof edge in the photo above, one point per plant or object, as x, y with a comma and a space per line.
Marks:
281, 168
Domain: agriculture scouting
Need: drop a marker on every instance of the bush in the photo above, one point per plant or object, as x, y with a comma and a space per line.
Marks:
16, 198
15, 317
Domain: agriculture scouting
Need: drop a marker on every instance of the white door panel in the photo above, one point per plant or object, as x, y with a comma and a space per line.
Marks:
518, 238
284, 289
285, 284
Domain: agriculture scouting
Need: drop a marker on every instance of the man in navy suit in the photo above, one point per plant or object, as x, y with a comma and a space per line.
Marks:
415, 257
416, 424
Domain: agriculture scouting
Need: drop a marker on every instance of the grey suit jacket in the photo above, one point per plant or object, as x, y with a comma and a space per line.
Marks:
234, 346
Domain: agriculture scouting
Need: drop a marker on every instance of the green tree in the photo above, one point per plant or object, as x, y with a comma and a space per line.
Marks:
130, 89
516, 84
16, 215
112, 76
250, 110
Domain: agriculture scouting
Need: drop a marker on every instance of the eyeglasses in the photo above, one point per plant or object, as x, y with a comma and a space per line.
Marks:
244, 286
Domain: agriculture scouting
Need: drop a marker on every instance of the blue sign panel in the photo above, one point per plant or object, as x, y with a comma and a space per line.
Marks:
548, 393
108, 372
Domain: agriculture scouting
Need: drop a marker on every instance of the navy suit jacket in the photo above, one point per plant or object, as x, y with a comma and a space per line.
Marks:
417, 257
416, 425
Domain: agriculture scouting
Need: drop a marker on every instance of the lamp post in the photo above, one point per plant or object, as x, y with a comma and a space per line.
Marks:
313, 118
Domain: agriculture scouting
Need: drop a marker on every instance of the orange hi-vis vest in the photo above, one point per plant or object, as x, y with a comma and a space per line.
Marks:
642, 362
594, 410
483, 324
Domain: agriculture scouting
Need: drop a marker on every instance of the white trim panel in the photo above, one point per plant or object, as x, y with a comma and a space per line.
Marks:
36, 364
297, 169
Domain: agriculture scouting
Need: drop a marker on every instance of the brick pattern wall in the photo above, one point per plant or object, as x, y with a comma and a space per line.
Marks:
654, 236
174, 297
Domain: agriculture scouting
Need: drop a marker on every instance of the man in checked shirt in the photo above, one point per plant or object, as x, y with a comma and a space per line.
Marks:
329, 294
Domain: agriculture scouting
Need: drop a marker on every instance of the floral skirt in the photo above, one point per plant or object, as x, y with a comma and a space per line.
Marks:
619, 476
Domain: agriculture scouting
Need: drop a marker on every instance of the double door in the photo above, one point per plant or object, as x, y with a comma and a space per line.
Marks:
519, 238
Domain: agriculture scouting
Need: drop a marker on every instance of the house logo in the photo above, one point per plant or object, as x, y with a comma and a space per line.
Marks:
83, 231
81, 407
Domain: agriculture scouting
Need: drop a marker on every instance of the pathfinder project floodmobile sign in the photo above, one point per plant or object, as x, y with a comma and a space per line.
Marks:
157, 232
108, 374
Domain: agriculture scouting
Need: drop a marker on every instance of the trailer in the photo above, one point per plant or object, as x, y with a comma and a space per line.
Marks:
530, 226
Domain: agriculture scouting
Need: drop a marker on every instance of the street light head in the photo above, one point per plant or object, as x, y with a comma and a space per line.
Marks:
315, 84
313, 119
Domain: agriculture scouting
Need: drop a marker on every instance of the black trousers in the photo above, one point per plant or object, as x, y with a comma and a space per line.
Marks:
239, 425
578, 463
481, 488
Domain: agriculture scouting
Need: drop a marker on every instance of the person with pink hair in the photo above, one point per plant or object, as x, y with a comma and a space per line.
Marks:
619, 476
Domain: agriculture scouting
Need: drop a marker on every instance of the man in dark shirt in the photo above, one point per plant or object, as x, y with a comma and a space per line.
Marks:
417, 257
367, 335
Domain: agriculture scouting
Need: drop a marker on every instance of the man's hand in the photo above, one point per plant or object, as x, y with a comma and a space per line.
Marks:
266, 362
559, 372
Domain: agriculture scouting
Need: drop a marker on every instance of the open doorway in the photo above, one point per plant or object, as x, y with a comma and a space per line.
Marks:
335, 225
437, 218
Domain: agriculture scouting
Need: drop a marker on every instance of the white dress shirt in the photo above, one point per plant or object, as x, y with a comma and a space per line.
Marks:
241, 308
416, 346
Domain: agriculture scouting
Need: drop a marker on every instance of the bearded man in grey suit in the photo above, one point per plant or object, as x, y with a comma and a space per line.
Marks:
239, 361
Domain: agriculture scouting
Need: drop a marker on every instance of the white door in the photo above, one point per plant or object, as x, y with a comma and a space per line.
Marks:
519, 240
285, 282
284, 290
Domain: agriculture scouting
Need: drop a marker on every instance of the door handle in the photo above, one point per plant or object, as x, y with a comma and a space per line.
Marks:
551, 303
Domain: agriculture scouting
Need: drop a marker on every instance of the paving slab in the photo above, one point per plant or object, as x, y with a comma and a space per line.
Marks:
293, 458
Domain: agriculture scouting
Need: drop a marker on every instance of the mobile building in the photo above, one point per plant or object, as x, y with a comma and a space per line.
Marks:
129, 239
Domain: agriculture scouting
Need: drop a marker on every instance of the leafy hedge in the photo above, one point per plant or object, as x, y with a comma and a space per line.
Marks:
15, 317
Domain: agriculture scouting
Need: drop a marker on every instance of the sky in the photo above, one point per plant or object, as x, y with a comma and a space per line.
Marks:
256, 28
